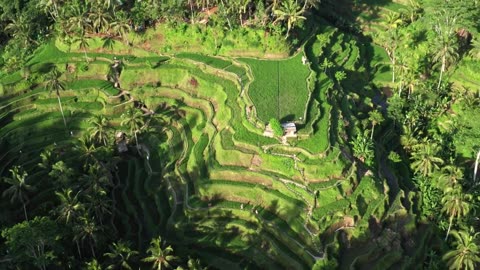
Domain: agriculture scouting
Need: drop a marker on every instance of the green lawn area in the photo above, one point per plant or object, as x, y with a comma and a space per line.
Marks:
279, 89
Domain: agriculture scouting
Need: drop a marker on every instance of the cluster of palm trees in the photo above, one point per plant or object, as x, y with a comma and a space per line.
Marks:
409, 69
83, 204
454, 199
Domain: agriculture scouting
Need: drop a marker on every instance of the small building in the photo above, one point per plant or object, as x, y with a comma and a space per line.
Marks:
289, 129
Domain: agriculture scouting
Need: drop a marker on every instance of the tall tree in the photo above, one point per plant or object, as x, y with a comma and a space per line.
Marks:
86, 230
466, 252
120, 255
32, 243
18, 187
99, 129
375, 118
83, 44
70, 207
456, 204
160, 257
290, 12
54, 84
446, 44
450, 176
424, 158
100, 18
133, 120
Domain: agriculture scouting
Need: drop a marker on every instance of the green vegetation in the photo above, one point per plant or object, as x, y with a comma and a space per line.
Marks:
285, 94
133, 134
276, 127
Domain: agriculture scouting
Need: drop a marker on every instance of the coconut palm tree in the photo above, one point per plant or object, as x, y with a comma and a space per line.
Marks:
53, 84
83, 44
70, 207
160, 257
99, 129
86, 230
62, 173
446, 45
195, 264
86, 151
50, 6
108, 42
20, 29
291, 12
466, 254
424, 158
120, 255
100, 18
456, 204
475, 51
78, 21
450, 176
18, 187
121, 27
133, 119
408, 139
93, 265
375, 118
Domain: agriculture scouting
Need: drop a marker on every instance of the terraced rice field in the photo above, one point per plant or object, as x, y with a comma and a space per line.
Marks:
223, 186
279, 88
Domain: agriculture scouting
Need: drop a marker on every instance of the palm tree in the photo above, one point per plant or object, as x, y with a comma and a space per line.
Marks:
83, 44
134, 121
475, 51
412, 10
290, 12
450, 176
50, 6
456, 204
62, 173
54, 84
18, 187
424, 158
326, 64
158, 255
20, 29
194, 264
389, 41
86, 230
121, 27
86, 151
78, 21
99, 130
408, 139
108, 42
465, 255
446, 47
375, 117
70, 207
120, 253
100, 19
93, 265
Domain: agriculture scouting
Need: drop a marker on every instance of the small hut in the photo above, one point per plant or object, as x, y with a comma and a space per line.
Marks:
289, 129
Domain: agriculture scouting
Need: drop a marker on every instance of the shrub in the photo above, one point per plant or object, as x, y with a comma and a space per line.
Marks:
276, 127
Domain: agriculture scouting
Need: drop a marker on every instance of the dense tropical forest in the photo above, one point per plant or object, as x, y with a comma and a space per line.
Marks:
239, 134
